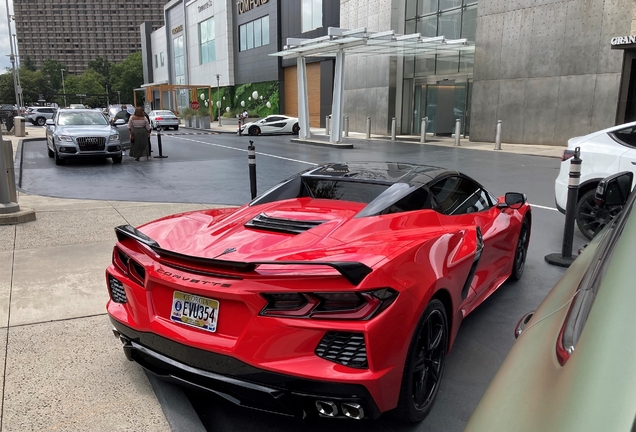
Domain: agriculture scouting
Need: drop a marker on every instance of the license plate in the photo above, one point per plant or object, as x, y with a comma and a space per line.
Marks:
195, 311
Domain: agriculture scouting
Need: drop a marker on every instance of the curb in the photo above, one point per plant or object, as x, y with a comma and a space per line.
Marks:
321, 143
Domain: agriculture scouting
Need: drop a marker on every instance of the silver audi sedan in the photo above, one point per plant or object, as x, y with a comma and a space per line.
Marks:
84, 133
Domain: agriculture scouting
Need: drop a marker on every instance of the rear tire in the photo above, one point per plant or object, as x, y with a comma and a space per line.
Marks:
295, 129
590, 217
424, 366
41, 121
176, 128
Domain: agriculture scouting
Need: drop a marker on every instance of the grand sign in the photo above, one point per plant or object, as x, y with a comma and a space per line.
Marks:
248, 5
623, 40
177, 29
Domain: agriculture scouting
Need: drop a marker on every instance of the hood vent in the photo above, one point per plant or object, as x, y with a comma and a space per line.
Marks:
289, 226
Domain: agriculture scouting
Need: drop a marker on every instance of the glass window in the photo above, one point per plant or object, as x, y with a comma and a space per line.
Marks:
311, 12
258, 35
426, 7
265, 30
449, 4
469, 23
427, 27
249, 28
156, 62
243, 37
344, 190
459, 195
450, 24
410, 27
626, 136
411, 9
207, 48
161, 57
179, 60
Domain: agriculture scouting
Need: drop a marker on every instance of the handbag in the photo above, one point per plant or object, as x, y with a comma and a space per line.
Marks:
132, 137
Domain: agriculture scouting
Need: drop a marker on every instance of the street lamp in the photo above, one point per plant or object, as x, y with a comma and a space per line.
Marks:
218, 96
107, 97
15, 76
63, 86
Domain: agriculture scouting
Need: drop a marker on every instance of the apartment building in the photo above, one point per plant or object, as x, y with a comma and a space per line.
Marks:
75, 32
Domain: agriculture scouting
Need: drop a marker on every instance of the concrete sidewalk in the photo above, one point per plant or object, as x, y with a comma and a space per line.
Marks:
62, 368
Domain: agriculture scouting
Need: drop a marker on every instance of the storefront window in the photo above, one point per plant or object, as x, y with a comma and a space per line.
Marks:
179, 60
254, 34
207, 49
311, 12
450, 24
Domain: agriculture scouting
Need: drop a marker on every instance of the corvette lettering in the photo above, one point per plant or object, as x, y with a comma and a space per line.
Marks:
194, 281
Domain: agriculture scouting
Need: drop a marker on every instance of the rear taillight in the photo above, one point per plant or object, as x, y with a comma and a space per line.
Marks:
128, 266
158, 118
567, 154
328, 305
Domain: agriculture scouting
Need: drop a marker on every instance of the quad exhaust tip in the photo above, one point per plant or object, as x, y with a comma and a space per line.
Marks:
348, 409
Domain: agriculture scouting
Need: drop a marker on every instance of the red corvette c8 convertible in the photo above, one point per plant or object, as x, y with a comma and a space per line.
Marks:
337, 293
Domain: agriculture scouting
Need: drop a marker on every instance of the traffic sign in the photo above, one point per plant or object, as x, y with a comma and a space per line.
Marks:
195, 105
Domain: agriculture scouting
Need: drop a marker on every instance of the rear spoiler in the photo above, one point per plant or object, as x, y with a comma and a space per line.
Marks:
353, 271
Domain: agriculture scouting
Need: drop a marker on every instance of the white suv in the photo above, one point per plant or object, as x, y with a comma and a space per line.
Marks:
603, 153
39, 115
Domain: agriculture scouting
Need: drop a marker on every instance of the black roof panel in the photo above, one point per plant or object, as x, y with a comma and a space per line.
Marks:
380, 172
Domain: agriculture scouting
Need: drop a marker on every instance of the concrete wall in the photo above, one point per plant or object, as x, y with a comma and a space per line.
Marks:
158, 47
367, 89
545, 68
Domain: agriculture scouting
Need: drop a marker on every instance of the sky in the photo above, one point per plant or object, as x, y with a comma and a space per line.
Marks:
5, 36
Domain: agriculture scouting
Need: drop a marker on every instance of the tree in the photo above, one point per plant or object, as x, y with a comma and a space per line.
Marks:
33, 85
89, 84
102, 67
52, 72
29, 64
7, 93
127, 76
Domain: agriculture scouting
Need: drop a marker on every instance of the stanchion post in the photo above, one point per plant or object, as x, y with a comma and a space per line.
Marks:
564, 259
423, 130
368, 127
498, 136
458, 128
346, 126
327, 125
393, 129
251, 157
159, 146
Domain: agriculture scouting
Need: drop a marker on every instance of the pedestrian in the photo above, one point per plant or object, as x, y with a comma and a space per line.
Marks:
149, 144
139, 128
122, 114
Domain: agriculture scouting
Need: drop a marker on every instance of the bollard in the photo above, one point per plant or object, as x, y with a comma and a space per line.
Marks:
458, 128
423, 130
251, 157
368, 127
327, 125
564, 259
393, 129
159, 146
498, 136
346, 126
8, 194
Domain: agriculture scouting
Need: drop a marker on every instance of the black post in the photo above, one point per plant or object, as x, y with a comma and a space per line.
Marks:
565, 259
251, 156
159, 145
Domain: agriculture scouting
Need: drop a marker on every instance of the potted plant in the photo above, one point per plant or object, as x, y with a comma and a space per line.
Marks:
187, 114
203, 117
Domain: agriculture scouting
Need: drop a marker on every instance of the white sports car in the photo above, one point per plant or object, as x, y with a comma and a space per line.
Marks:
163, 119
604, 153
272, 124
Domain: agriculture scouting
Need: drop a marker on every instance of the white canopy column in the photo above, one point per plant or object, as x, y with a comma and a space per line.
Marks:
303, 102
338, 102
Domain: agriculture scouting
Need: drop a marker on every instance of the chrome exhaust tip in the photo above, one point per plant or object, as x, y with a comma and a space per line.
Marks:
327, 408
352, 410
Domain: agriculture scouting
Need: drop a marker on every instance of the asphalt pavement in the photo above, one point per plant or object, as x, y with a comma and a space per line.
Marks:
64, 370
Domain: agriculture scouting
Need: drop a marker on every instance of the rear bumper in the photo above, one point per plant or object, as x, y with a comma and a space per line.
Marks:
239, 382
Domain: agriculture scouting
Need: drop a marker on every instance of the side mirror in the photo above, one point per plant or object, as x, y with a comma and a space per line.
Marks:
120, 122
513, 200
615, 189
50, 122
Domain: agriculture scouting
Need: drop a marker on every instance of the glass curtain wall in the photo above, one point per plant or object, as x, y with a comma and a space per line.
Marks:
453, 19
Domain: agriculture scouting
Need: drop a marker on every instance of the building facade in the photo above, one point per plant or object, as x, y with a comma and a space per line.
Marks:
76, 32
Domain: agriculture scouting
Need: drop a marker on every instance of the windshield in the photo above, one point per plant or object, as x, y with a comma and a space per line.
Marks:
84, 118
344, 190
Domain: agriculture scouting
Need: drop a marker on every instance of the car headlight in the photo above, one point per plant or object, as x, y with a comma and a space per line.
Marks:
64, 138
114, 137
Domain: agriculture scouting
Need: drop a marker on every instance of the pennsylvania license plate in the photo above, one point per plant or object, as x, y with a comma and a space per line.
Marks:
195, 311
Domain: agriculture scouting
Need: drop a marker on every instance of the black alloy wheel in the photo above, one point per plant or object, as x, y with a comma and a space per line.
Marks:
590, 217
295, 129
424, 364
254, 130
41, 121
521, 253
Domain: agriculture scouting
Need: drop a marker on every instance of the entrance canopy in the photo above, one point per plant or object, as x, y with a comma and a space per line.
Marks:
339, 42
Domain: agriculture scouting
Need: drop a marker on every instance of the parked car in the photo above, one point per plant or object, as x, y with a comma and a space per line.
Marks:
84, 133
77, 106
604, 153
337, 293
114, 109
572, 367
163, 119
39, 115
273, 124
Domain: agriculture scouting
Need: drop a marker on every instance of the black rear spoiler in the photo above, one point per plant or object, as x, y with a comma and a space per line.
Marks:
353, 271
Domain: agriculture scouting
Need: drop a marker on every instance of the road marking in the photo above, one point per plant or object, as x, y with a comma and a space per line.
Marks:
308, 163
543, 207
245, 151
